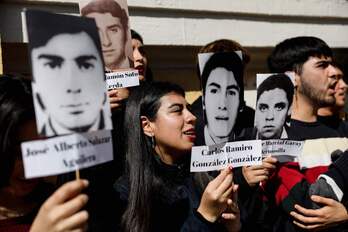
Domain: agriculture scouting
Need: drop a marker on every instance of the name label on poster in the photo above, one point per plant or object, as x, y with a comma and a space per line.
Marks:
67, 153
283, 150
122, 79
216, 157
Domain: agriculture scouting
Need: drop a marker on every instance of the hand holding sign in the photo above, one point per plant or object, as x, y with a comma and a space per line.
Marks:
255, 174
215, 196
231, 217
117, 97
61, 212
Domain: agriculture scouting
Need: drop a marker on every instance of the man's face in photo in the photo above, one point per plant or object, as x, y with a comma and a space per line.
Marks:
318, 81
112, 37
221, 102
272, 108
68, 75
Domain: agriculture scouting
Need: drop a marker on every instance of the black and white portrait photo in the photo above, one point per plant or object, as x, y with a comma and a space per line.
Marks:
273, 105
68, 83
222, 83
111, 17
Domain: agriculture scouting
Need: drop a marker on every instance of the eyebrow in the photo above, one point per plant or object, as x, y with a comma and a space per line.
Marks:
323, 62
81, 59
214, 84
175, 105
233, 87
114, 25
51, 57
263, 104
280, 103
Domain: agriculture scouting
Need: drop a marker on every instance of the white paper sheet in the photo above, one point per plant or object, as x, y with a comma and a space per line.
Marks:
122, 79
283, 150
66, 153
216, 157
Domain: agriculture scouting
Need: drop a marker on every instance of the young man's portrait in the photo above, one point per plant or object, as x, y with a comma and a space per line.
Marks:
221, 78
68, 74
273, 106
113, 25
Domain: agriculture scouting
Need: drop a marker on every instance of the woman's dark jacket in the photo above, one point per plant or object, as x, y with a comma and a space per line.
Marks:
176, 206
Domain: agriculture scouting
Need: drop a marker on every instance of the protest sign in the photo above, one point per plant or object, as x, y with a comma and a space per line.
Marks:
219, 156
112, 19
122, 79
283, 150
273, 106
221, 77
67, 153
69, 87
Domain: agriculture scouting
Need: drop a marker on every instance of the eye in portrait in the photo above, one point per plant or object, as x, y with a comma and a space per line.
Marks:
273, 106
68, 74
222, 78
112, 20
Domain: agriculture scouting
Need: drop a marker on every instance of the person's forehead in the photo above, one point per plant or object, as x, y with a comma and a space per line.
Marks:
273, 95
172, 98
315, 59
105, 19
68, 46
221, 76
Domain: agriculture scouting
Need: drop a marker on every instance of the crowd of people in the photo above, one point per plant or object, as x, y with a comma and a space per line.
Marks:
148, 186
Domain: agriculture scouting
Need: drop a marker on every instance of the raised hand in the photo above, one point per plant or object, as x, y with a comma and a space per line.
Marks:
62, 210
215, 196
256, 174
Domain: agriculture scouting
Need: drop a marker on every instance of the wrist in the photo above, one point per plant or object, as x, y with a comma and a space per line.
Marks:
206, 215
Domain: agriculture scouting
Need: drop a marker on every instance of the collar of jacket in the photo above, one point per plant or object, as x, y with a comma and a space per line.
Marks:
175, 172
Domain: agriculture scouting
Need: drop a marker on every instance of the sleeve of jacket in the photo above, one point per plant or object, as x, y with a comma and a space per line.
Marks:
289, 187
197, 223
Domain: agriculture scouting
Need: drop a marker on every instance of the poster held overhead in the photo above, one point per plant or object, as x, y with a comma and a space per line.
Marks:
112, 20
68, 76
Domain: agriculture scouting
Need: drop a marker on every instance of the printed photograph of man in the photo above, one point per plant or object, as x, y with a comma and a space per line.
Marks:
113, 25
273, 106
68, 76
222, 78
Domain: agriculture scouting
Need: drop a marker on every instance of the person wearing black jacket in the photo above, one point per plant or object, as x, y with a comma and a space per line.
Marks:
158, 193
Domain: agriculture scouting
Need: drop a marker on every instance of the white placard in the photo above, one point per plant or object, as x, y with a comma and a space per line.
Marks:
283, 150
122, 79
66, 153
216, 157
67, 101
